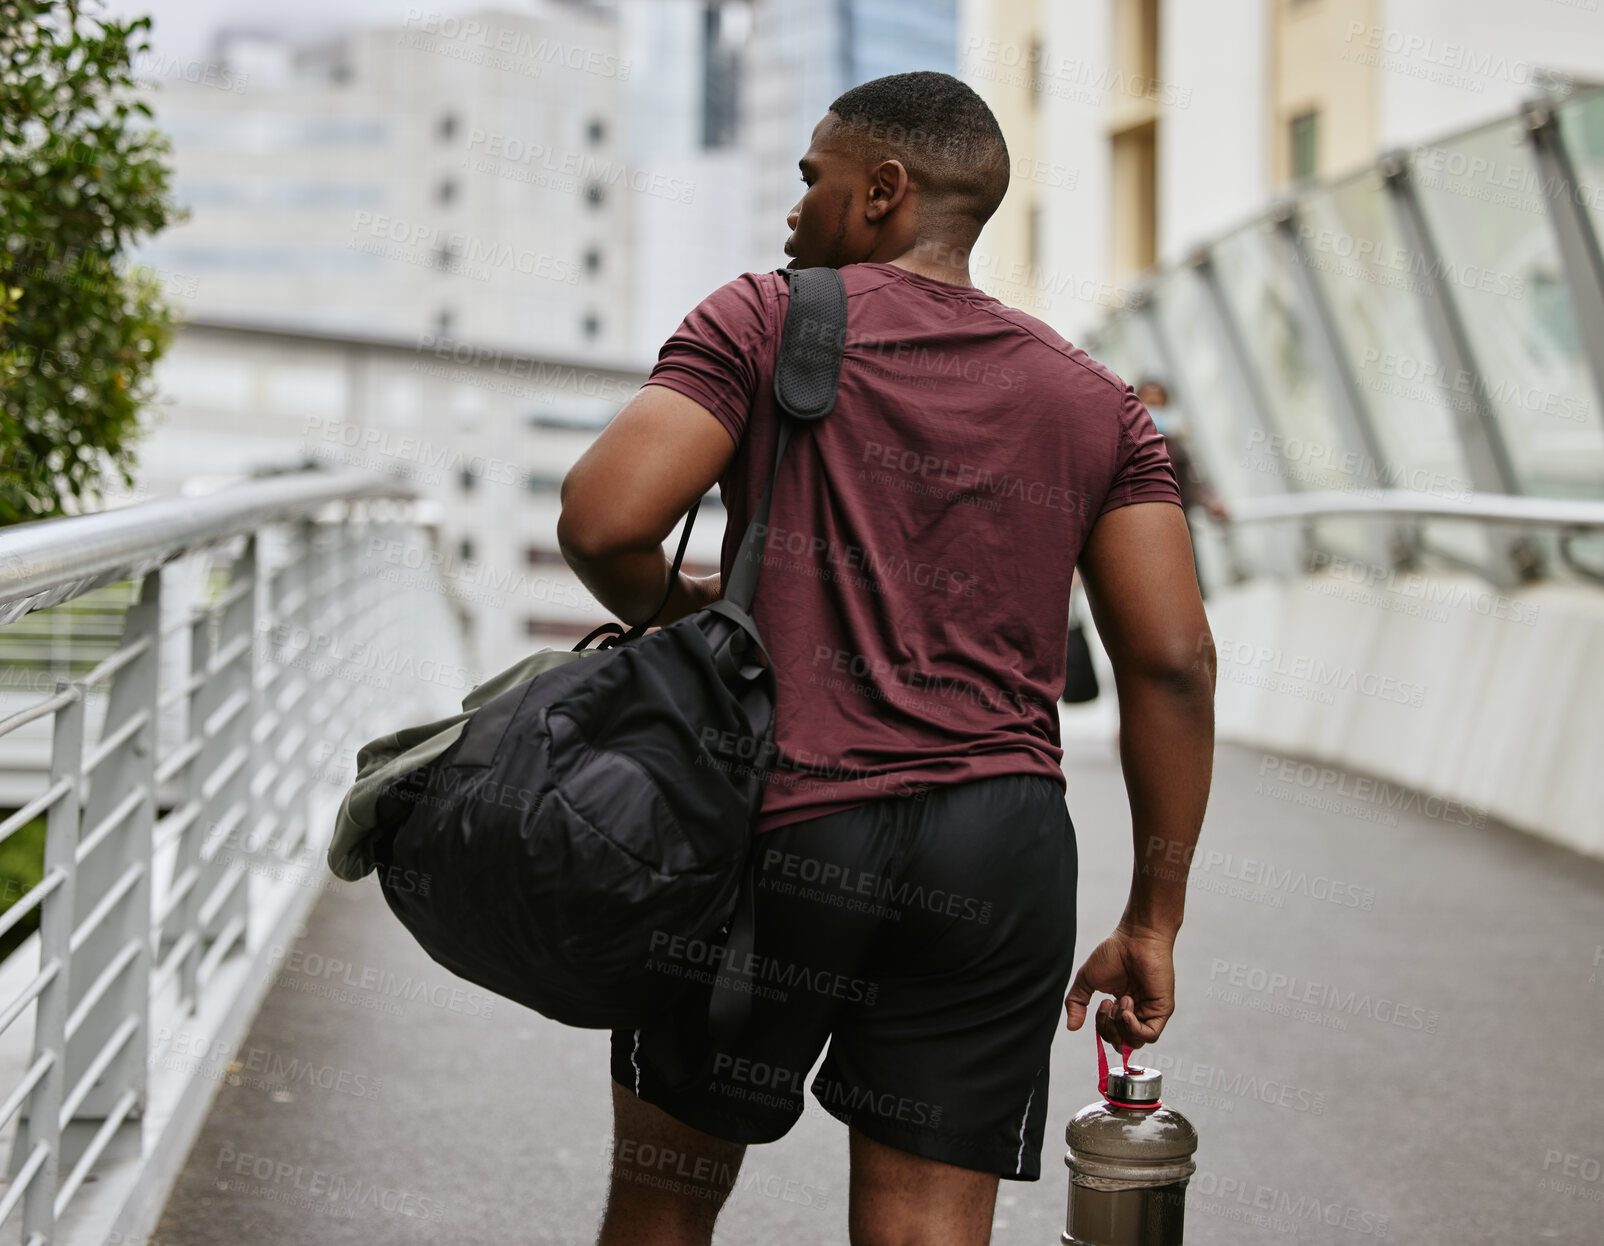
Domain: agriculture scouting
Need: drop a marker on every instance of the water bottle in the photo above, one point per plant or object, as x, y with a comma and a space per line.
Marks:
1129, 1160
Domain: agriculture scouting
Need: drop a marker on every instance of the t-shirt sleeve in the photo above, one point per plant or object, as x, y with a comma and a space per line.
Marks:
1144, 472
713, 358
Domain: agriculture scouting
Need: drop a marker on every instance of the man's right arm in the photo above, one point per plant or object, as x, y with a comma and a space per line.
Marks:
1141, 584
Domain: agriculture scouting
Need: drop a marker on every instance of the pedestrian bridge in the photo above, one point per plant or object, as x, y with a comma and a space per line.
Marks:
1391, 981
208, 1039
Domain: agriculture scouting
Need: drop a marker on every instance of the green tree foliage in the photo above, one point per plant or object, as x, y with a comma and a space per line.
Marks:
83, 176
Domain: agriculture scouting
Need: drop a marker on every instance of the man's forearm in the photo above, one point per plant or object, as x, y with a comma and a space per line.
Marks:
631, 583
1167, 752
628, 583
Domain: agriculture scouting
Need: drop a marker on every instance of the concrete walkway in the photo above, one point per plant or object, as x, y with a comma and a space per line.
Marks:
1390, 1028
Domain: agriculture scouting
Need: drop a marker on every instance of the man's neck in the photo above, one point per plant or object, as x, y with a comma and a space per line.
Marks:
938, 260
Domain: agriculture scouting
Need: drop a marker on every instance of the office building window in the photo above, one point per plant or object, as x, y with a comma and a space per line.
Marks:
724, 31
1134, 140
595, 195
446, 192
536, 556
592, 326
593, 260
1135, 199
1304, 135
446, 128
467, 480
1136, 36
465, 549
443, 321
587, 422
596, 131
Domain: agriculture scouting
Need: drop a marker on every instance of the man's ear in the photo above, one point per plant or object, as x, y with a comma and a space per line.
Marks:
888, 183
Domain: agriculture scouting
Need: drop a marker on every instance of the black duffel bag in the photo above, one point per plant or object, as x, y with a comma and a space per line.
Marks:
582, 820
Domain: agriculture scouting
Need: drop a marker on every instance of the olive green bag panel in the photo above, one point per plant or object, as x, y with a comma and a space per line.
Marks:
387, 758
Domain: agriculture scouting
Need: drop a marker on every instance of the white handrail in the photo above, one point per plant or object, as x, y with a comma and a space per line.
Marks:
50, 554
1482, 507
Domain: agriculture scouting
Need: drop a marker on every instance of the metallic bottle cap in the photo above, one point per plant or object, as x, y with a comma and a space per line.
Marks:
1135, 1085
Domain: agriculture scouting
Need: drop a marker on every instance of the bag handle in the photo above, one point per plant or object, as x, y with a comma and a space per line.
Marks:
614, 632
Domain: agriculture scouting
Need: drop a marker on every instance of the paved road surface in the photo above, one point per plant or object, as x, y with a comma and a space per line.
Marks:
1390, 1028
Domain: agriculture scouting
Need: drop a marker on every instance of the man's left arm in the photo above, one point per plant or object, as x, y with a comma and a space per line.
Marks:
628, 491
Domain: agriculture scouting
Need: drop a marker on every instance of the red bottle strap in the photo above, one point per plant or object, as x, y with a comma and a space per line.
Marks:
1102, 1060
1102, 1072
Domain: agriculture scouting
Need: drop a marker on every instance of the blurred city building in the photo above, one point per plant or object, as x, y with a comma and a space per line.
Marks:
485, 435
803, 54
461, 177
1141, 129
684, 116
495, 177
449, 250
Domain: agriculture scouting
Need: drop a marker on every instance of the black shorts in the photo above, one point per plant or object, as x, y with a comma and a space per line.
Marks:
929, 939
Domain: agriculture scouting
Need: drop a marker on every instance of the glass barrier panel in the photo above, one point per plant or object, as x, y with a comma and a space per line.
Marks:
1349, 233
1310, 452
1488, 215
1581, 127
1112, 346
1223, 434
1260, 291
1225, 438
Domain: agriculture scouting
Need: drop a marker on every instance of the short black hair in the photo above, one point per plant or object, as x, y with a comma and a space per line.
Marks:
940, 129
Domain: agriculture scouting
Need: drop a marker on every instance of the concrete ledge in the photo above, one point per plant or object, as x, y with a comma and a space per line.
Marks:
1439, 684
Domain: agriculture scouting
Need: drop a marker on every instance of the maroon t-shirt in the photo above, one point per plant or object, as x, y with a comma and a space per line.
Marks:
914, 593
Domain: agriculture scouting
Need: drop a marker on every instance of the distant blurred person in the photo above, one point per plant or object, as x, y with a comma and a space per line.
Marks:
1080, 671
1195, 487
915, 861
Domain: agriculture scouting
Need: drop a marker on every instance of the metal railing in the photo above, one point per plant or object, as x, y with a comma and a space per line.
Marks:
1537, 520
1497, 508
179, 837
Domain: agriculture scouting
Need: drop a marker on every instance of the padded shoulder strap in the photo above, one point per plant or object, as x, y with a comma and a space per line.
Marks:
812, 343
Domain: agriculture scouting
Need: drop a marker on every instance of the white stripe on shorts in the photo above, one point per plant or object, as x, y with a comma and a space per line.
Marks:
1019, 1163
